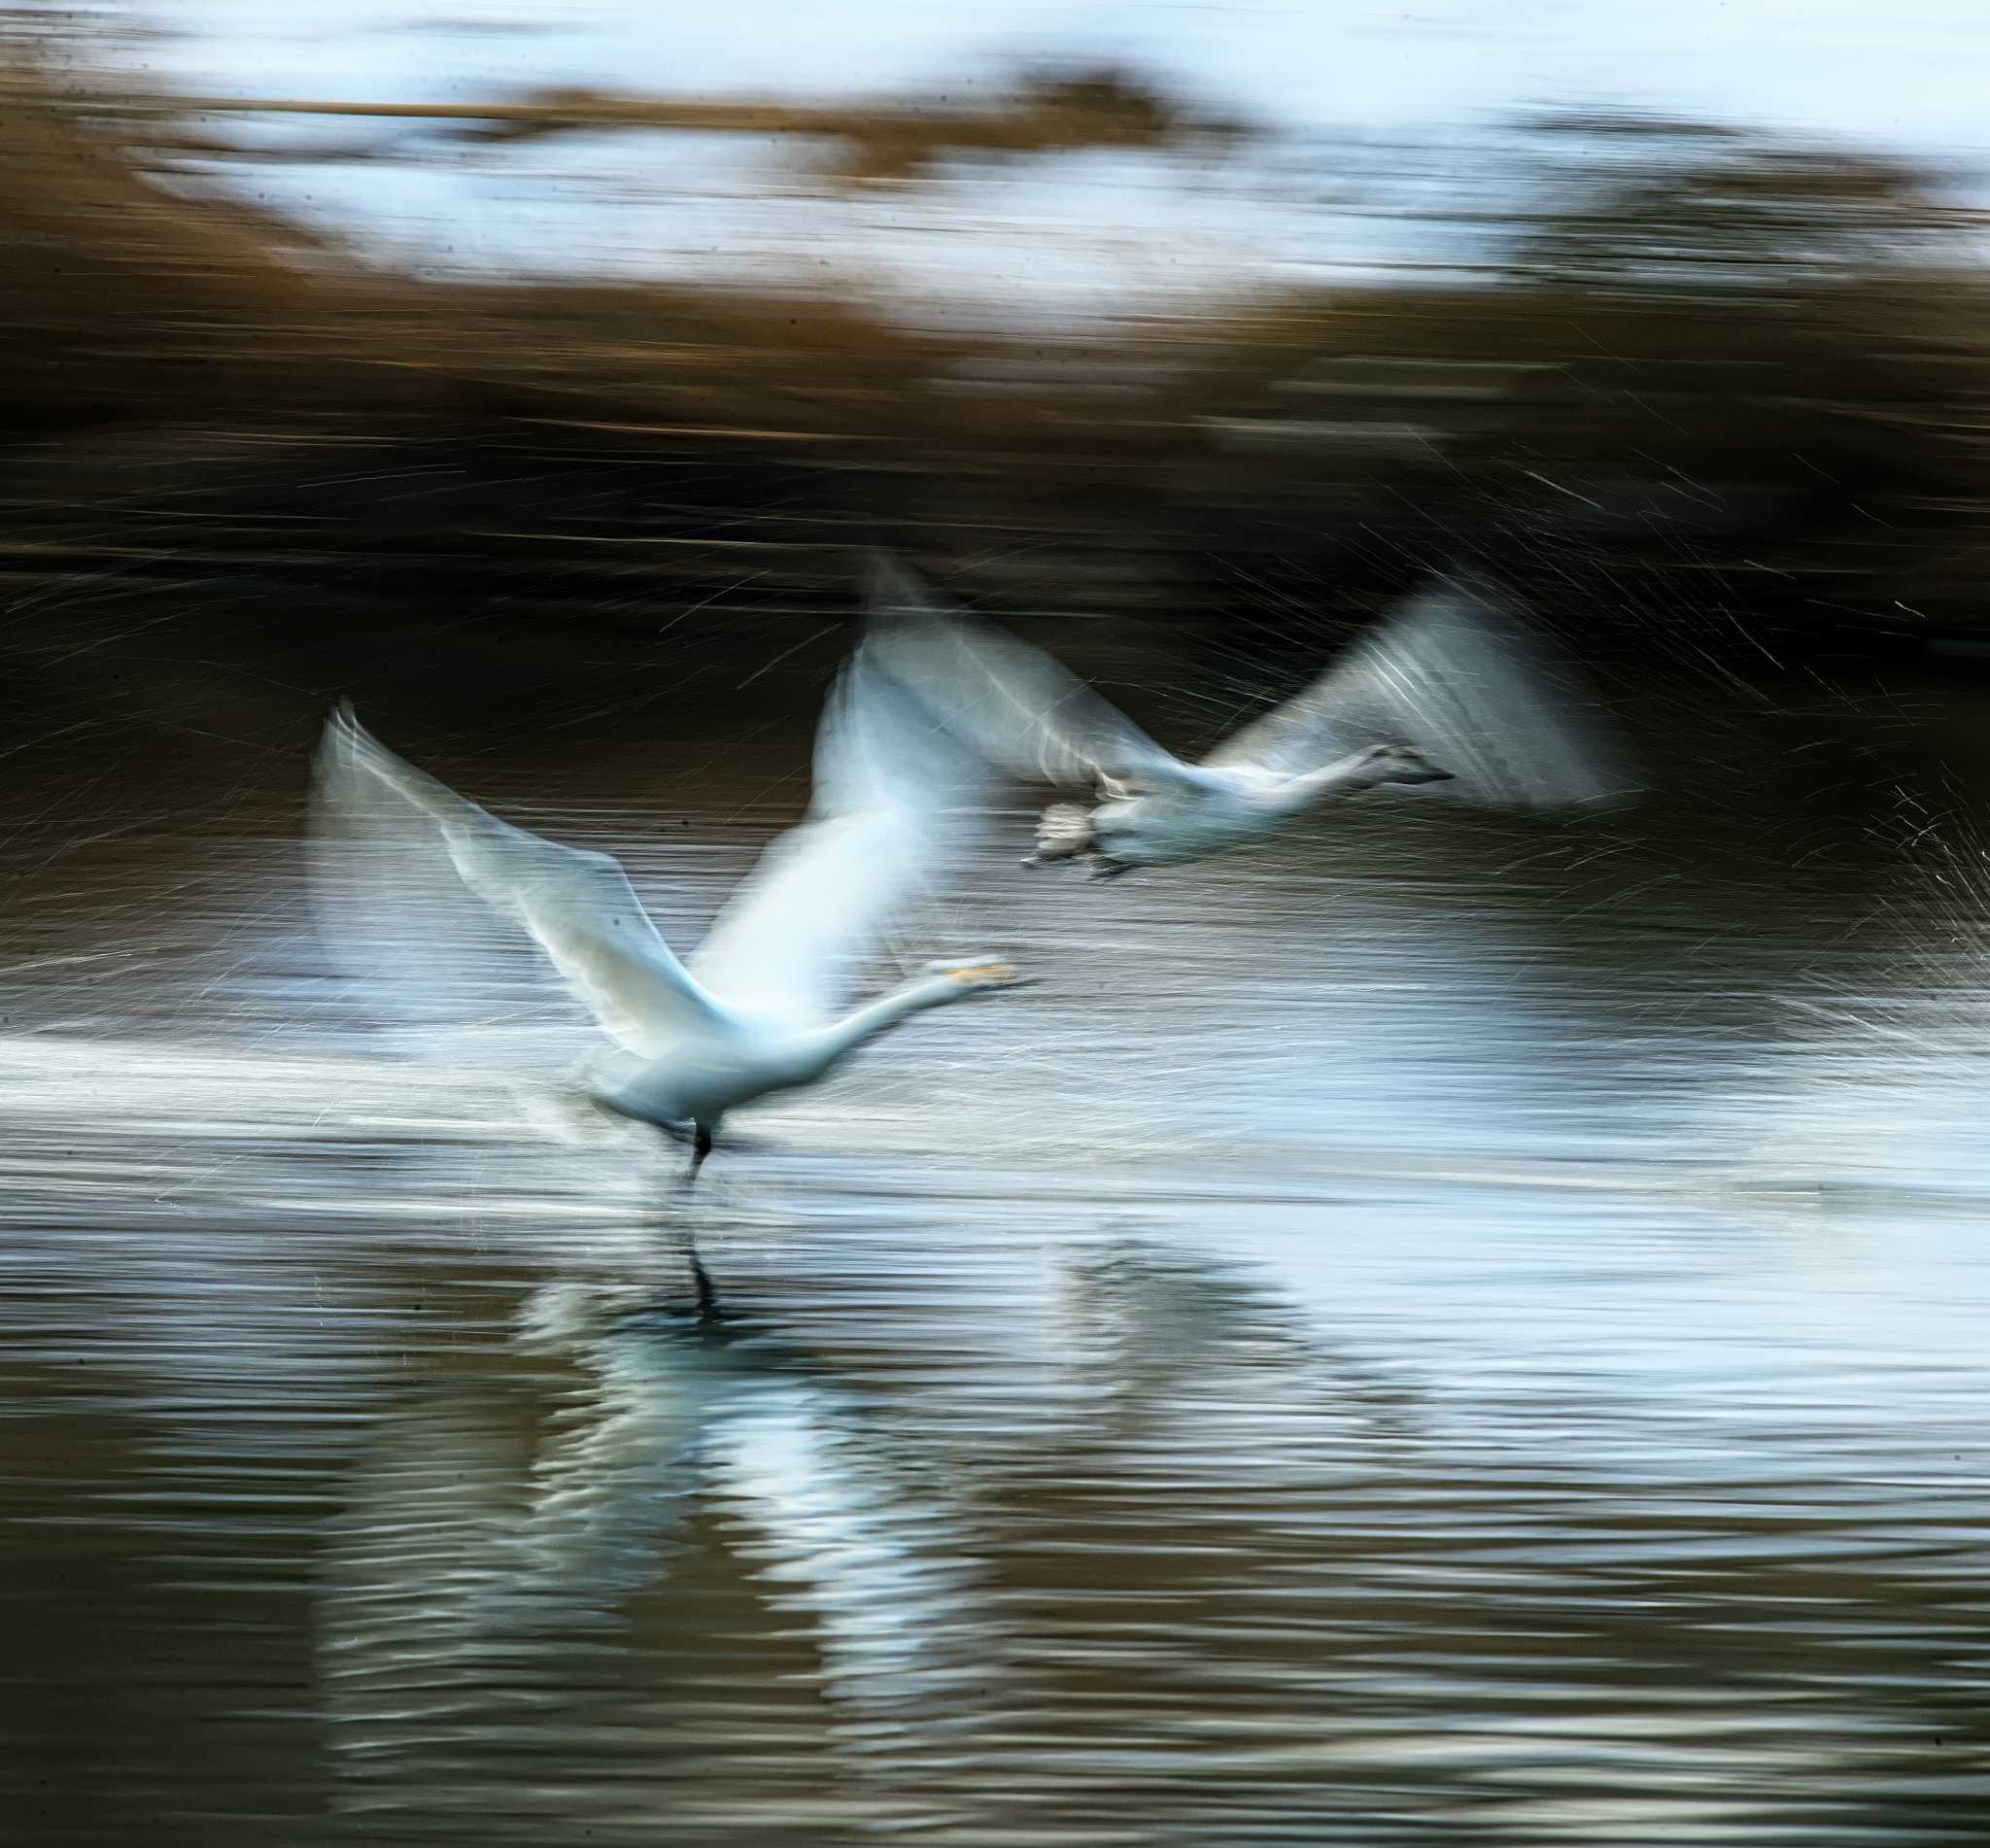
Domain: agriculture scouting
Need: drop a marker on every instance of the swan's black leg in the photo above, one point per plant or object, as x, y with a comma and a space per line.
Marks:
700, 1279
701, 1146
1103, 866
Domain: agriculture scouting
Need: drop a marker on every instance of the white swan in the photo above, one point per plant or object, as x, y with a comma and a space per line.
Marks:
1452, 668
752, 1017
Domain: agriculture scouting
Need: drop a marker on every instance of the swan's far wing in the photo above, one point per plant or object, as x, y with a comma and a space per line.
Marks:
898, 799
578, 906
1463, 679
1018, 707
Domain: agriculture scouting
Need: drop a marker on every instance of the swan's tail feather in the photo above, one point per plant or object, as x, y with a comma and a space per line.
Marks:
1064, 831
567, 1112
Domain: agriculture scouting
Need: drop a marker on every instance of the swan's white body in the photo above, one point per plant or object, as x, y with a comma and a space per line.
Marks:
1452, 669
1207, 810
754, 1014
715, 1068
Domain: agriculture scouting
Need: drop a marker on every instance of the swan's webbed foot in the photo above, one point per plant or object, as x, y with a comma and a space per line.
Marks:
1103, 866
1064, 831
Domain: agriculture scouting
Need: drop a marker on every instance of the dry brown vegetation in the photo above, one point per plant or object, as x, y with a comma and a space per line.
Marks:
878, 141
1720, 373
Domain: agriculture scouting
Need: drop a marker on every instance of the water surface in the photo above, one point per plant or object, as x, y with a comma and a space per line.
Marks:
1446, 1331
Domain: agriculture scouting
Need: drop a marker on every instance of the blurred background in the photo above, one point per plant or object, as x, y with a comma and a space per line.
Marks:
1451, 1329
1140, 302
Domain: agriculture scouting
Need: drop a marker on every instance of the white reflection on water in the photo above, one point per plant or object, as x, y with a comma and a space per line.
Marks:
470, 1571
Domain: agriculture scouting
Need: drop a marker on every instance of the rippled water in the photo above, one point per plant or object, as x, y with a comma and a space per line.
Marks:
1444, 1332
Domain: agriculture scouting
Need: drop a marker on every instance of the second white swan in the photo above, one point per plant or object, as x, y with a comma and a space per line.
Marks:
1495, 701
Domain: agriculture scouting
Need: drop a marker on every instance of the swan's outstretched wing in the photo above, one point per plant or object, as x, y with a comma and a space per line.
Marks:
897, 798
1013, 703
1459, 676
578, 906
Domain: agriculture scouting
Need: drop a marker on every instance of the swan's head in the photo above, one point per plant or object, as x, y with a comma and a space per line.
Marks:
974, 976
1401, 764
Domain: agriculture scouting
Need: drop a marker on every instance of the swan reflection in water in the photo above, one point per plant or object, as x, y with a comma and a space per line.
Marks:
632, 1571
1148, 1335
700, 1506
638, 1558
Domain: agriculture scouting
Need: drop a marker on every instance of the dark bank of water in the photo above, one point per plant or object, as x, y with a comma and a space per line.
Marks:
1447, 1331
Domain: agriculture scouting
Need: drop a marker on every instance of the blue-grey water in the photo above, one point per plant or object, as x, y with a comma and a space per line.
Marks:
1447, 1331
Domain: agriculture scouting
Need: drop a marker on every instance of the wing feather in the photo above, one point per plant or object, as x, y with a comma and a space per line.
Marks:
1018, 707
578, 906
1459, 675
897, 798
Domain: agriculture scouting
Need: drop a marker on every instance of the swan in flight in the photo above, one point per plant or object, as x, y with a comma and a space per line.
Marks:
1452, 670
754, 1014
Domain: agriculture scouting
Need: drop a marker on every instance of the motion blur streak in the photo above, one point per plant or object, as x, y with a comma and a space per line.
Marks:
1448, 1325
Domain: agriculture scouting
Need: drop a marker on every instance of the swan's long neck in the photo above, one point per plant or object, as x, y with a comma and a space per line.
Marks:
1341, 778
887, 1011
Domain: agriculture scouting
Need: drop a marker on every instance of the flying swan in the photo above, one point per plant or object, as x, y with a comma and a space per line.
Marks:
755, 1013
1453, 670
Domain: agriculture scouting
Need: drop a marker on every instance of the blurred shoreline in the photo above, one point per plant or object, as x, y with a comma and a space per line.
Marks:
1717, 385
